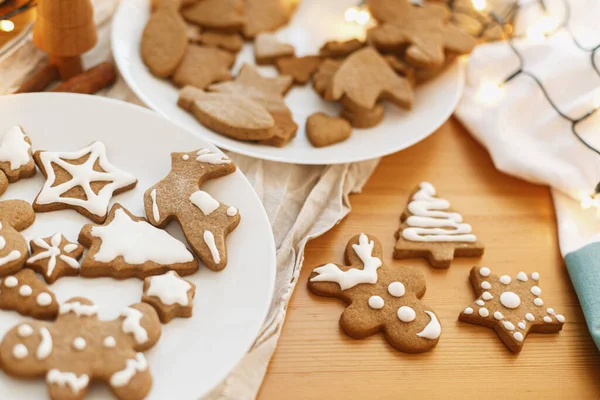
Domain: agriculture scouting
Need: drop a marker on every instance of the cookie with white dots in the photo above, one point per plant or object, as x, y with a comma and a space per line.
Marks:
512, 306
380, 298
24, 293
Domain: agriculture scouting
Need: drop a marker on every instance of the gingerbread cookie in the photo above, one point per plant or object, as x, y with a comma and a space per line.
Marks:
380, 298
164, 41
16, 161
337, 49
82, 180
79, 348
299, 68
267, 49
430, 229
170, 295
232, 42
54, 256
284, 130
323, 130
221, 15
24, 293
204, 220
324, 76
128, 246
15, 216
512, 307
266, 15
202, 66
363, 118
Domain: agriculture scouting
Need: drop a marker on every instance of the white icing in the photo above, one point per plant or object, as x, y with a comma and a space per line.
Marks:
11, 281
132, 324
69, 248
536, 290
487, 296
505, 279
109, 342
232, 211
137, 242
518, 336
480, 303
550, 310
82, 175
12, 256
468, 311
24, 330
53, 251
535, 276
530, 317
132, 367
484, 312
508, 325
169, 288
560, 318
354, 276
547, 319
522, 276
25, 290
428, 223
79, 343
45, 347
185, 157
70, 261
522, 325
484, 271
209, 239
74, 382
155, 211
498, 315
14, 149
510, 300
206, 156
433, 329
20, 351
204, 201
376, 302
538, 302
76, 307
406, 314
396, 289
486, 285
44, 299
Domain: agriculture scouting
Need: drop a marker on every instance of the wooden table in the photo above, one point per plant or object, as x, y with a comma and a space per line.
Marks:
515, 219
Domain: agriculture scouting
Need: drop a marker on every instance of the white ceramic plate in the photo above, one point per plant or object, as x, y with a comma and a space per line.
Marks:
193, 354
315, 22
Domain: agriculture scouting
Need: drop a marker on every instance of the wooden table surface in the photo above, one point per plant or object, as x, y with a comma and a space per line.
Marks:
515, 219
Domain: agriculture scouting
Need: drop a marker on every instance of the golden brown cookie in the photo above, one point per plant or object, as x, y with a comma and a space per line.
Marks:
284, 130
398, 65
380, 298
429, 228
364, 119
267, 49
79, 348
54, 256
202, 66
324, 76
323, 130
511, 307
266, 15
194, 33
204, 220
164, 42
221, 15
127, 246
82, 180
232, 42
337, 49
15, 216
170, 295
16, 161
299, 68
24, 293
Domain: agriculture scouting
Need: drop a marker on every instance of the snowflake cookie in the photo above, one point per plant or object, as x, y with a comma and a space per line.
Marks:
79, 348
205, 221
512, 307
170, 295
15, 216
128, 246
82, 180
16, 161
430, 229
24, 293
380, 298
54, 257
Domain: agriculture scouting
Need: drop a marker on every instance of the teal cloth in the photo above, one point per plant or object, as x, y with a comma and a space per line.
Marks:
584, 269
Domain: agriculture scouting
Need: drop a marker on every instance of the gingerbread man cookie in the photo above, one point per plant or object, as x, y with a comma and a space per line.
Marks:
79, 348
170, 295
54, 256
128, 246
205, 221
15, 216
27, 295
430, 229
380, 298
82, 180
16, 161
512, 307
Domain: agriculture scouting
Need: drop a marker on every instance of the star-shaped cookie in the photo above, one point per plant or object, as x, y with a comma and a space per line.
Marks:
170, 295
512, 307
82, 180
54, 256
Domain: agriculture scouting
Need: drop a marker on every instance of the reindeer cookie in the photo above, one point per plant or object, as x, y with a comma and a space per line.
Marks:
79, 348
15, 216
205, 221
380, 298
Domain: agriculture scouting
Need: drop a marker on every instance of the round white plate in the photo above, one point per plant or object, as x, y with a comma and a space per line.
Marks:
315, 22
194, 354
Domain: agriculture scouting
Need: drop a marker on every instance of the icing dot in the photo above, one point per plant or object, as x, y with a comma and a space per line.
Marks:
79, 343
522, 276
44, 299
406, 314
508, 325
518, 336
110, 342
510, 300
486, 285
185, 157
550, 310
536, 290
468, 311
547, 319
484, 312
530, 317
25, 290
11, 281
20, 351
484, 271
396, 289
376, 302
487, 296
498, 315
538, 302
231, 211
522, 325
25, 330
560, 318
480, 303
535, 276
505, 279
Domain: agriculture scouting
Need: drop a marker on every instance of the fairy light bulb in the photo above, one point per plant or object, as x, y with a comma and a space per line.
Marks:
363, 17
358, 15
479, 5
6, 25
351, 14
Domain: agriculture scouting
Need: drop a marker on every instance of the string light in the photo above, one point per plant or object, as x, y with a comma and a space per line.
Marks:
479, 5
357, 14
6, 25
